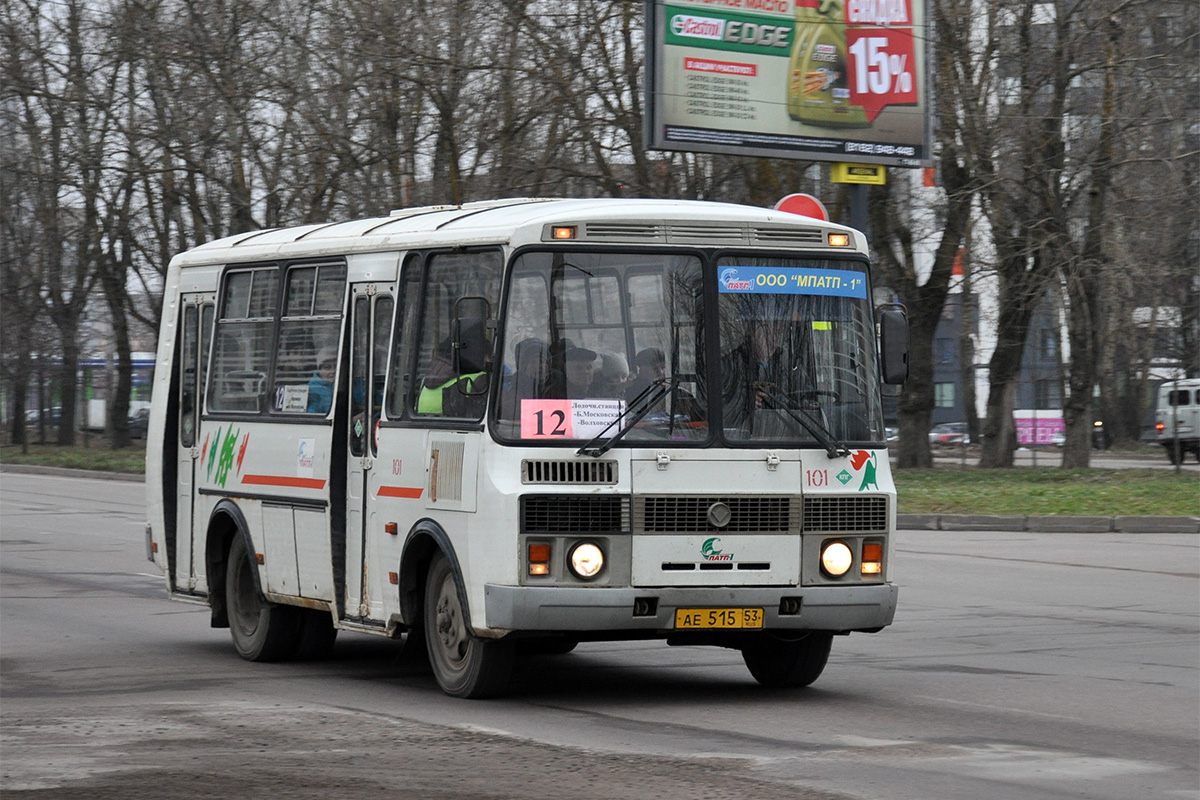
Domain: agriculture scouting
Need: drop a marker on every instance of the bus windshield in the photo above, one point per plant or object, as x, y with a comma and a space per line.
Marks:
590, 335
797, 352
598, 344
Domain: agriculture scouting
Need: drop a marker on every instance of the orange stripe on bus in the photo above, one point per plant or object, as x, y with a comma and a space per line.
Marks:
281, 480
400, 491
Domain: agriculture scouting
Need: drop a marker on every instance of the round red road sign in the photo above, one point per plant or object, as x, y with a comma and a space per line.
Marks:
803, 204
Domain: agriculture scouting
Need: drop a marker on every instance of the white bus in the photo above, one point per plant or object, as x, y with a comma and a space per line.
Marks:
517, 425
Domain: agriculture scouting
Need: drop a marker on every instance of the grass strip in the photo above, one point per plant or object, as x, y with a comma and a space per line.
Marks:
1048, 491
129, 460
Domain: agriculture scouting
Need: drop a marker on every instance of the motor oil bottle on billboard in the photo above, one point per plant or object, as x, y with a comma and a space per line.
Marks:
819, 83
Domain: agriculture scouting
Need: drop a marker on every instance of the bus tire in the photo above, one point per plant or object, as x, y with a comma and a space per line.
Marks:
261, 630
316, 636
780, 664
463, 664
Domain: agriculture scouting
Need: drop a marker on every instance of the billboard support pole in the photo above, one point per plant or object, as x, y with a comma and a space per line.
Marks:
858, 209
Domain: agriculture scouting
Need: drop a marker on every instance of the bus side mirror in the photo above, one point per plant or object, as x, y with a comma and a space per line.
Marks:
472, 341
893, 346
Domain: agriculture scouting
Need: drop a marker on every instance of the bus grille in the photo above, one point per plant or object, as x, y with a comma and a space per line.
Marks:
602, 472
574, 513
837, 514
622, 231
787, 236
683, 514
680, 233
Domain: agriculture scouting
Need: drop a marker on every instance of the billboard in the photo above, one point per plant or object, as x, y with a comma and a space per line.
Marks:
832, 80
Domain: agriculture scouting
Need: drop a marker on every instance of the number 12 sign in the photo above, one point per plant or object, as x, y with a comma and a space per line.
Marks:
567, 419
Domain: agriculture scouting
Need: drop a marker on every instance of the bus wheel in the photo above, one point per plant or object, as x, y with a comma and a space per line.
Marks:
788, 664
464, 665
262, 631
316, 635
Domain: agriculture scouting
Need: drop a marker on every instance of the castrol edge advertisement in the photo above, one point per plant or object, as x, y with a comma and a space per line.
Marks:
833, 80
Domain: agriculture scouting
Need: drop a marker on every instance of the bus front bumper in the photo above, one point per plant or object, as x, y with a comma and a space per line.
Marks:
543, 608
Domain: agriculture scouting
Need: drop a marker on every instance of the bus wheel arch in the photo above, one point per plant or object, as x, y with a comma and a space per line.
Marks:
425, 540
225, 523
434, 605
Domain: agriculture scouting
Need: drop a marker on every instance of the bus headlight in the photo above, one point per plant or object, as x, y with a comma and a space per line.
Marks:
836, 559
586, 560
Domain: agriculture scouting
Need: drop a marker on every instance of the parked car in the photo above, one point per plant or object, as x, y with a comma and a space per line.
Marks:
950, 433
139, 422
53, 416
892, 433
1099, 439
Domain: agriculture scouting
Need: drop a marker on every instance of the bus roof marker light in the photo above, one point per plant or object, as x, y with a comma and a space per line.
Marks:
839, 240
559, 232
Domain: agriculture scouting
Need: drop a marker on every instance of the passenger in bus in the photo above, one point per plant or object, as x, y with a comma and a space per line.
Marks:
612, 377
320, 386
650, 365
580, 372
460, 392
295, 357
531, 372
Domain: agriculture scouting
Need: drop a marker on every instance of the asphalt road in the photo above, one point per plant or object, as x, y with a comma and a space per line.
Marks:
1021, 665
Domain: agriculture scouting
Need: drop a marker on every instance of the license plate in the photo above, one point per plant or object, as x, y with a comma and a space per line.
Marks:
718, 618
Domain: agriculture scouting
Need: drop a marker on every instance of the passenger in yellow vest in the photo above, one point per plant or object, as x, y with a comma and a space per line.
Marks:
460, 392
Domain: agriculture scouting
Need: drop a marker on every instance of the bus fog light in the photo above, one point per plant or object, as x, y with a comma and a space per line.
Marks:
586, 560
836, 559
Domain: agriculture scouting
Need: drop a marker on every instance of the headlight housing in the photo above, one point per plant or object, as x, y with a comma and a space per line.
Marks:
586, 560
836, 558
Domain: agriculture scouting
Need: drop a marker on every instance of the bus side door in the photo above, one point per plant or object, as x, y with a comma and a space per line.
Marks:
372, 308
196, 318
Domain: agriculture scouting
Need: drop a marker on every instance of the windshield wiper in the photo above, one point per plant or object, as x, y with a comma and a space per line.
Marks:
825, 437
649, 397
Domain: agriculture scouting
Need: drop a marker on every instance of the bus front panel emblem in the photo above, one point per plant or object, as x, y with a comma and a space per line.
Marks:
719, 515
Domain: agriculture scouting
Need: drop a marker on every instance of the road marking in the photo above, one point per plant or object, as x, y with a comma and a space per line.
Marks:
997, 708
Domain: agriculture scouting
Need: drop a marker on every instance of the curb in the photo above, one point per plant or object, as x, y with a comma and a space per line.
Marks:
998, 522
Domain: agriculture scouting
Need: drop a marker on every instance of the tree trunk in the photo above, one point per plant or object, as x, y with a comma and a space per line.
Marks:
68, 381
1018, 298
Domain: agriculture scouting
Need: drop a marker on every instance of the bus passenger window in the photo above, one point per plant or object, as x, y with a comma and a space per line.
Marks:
306, 360
245, 330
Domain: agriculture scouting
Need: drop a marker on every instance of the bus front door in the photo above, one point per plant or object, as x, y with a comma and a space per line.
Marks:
372, 306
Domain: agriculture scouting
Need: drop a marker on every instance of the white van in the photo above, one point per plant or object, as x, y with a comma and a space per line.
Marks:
1177, 418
